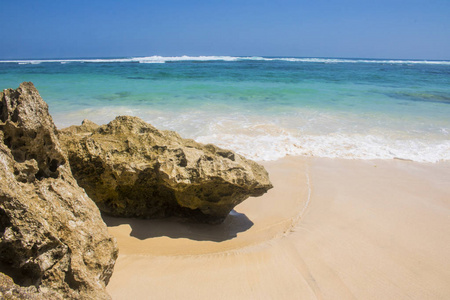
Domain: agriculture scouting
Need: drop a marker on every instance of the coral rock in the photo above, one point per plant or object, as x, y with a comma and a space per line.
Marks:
131, 169
53, 242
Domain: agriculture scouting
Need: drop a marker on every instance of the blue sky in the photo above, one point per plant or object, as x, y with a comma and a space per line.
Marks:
304, 28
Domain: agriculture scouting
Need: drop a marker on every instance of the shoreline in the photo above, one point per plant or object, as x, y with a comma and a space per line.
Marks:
330, 229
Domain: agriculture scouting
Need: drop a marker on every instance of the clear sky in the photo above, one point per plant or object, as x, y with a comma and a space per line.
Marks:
303, 28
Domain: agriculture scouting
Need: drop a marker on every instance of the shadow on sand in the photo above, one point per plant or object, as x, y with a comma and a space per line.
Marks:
177, 228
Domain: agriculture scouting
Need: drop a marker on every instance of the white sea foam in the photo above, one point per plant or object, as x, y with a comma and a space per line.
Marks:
317, 135
184, 58
30, 62
268, 147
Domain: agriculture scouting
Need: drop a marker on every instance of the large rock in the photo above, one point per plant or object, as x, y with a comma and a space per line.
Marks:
131, 169
53, 242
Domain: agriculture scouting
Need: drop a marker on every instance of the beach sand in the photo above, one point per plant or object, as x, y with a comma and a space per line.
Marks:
329, 229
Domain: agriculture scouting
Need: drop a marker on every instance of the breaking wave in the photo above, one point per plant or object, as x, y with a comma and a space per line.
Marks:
347, 146
164, 59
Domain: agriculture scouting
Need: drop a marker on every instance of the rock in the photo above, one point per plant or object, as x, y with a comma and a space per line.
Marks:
53, 242
11, 291
131, 169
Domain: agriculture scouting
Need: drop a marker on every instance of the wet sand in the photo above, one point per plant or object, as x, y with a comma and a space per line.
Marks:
329, 229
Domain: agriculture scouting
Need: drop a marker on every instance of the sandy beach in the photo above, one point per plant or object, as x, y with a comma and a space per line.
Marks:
329, 229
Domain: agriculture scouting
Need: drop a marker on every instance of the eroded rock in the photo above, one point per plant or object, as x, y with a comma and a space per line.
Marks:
131, 169
53, 242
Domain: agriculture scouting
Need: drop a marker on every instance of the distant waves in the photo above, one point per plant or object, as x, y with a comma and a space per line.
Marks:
184, 58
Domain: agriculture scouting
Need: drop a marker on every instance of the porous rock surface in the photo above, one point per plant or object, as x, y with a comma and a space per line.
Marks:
131, 169
53, 242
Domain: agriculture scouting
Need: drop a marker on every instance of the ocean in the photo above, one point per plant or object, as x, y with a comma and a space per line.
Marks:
261, 107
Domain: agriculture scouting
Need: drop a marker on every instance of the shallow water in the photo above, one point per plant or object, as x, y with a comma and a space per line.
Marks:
264, 108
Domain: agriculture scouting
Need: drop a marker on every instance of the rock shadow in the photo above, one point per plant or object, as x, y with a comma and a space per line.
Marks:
176, 228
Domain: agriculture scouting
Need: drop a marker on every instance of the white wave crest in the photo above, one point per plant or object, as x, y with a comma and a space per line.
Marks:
163, 59
31, 62
268, 147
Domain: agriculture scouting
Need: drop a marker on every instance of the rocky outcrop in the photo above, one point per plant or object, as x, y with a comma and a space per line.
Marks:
53, 242
131, 169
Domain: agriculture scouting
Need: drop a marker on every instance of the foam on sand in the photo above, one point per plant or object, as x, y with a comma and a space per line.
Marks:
349, 146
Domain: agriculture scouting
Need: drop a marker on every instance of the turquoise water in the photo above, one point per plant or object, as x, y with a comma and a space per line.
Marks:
264, 108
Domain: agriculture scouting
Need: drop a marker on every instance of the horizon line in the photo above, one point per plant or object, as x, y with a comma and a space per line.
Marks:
211, 57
